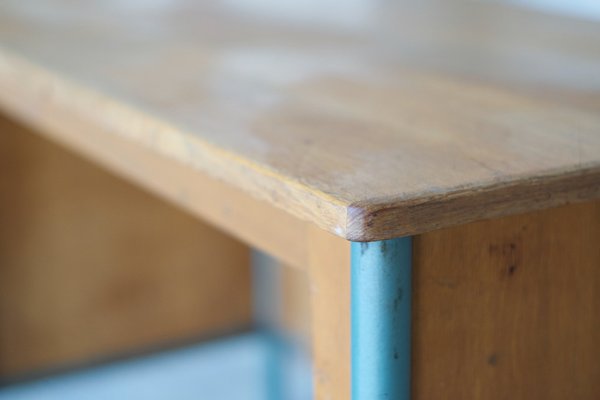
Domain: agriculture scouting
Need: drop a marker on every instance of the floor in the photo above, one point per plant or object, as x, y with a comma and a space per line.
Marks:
246, 367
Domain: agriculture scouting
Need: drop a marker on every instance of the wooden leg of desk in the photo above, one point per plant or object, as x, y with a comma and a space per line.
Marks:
329, 273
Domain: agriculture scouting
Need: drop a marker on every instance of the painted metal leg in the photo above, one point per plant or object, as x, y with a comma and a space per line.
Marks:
381, 319
266, 312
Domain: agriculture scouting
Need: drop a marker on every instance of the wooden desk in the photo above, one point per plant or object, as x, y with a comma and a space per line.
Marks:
472, 128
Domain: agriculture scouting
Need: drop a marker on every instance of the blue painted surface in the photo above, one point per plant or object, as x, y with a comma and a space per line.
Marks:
227, 369
275, 382
381, 319
267, 310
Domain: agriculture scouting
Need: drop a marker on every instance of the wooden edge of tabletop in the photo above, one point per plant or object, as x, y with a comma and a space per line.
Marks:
32, 92
369, 222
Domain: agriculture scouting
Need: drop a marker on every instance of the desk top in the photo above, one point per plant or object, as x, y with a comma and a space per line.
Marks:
372, 120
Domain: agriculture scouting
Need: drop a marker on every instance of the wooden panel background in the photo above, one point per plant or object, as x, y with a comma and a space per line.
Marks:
509, 308
91, 266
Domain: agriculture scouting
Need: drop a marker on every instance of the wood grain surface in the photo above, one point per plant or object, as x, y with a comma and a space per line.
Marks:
92, 267
509, 308
374, 122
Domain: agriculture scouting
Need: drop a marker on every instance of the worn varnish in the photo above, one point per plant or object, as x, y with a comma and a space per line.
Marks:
371, 123
509, 308
92, 267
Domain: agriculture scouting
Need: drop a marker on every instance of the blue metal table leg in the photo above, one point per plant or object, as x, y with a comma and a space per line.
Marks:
266, 311
381, 319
